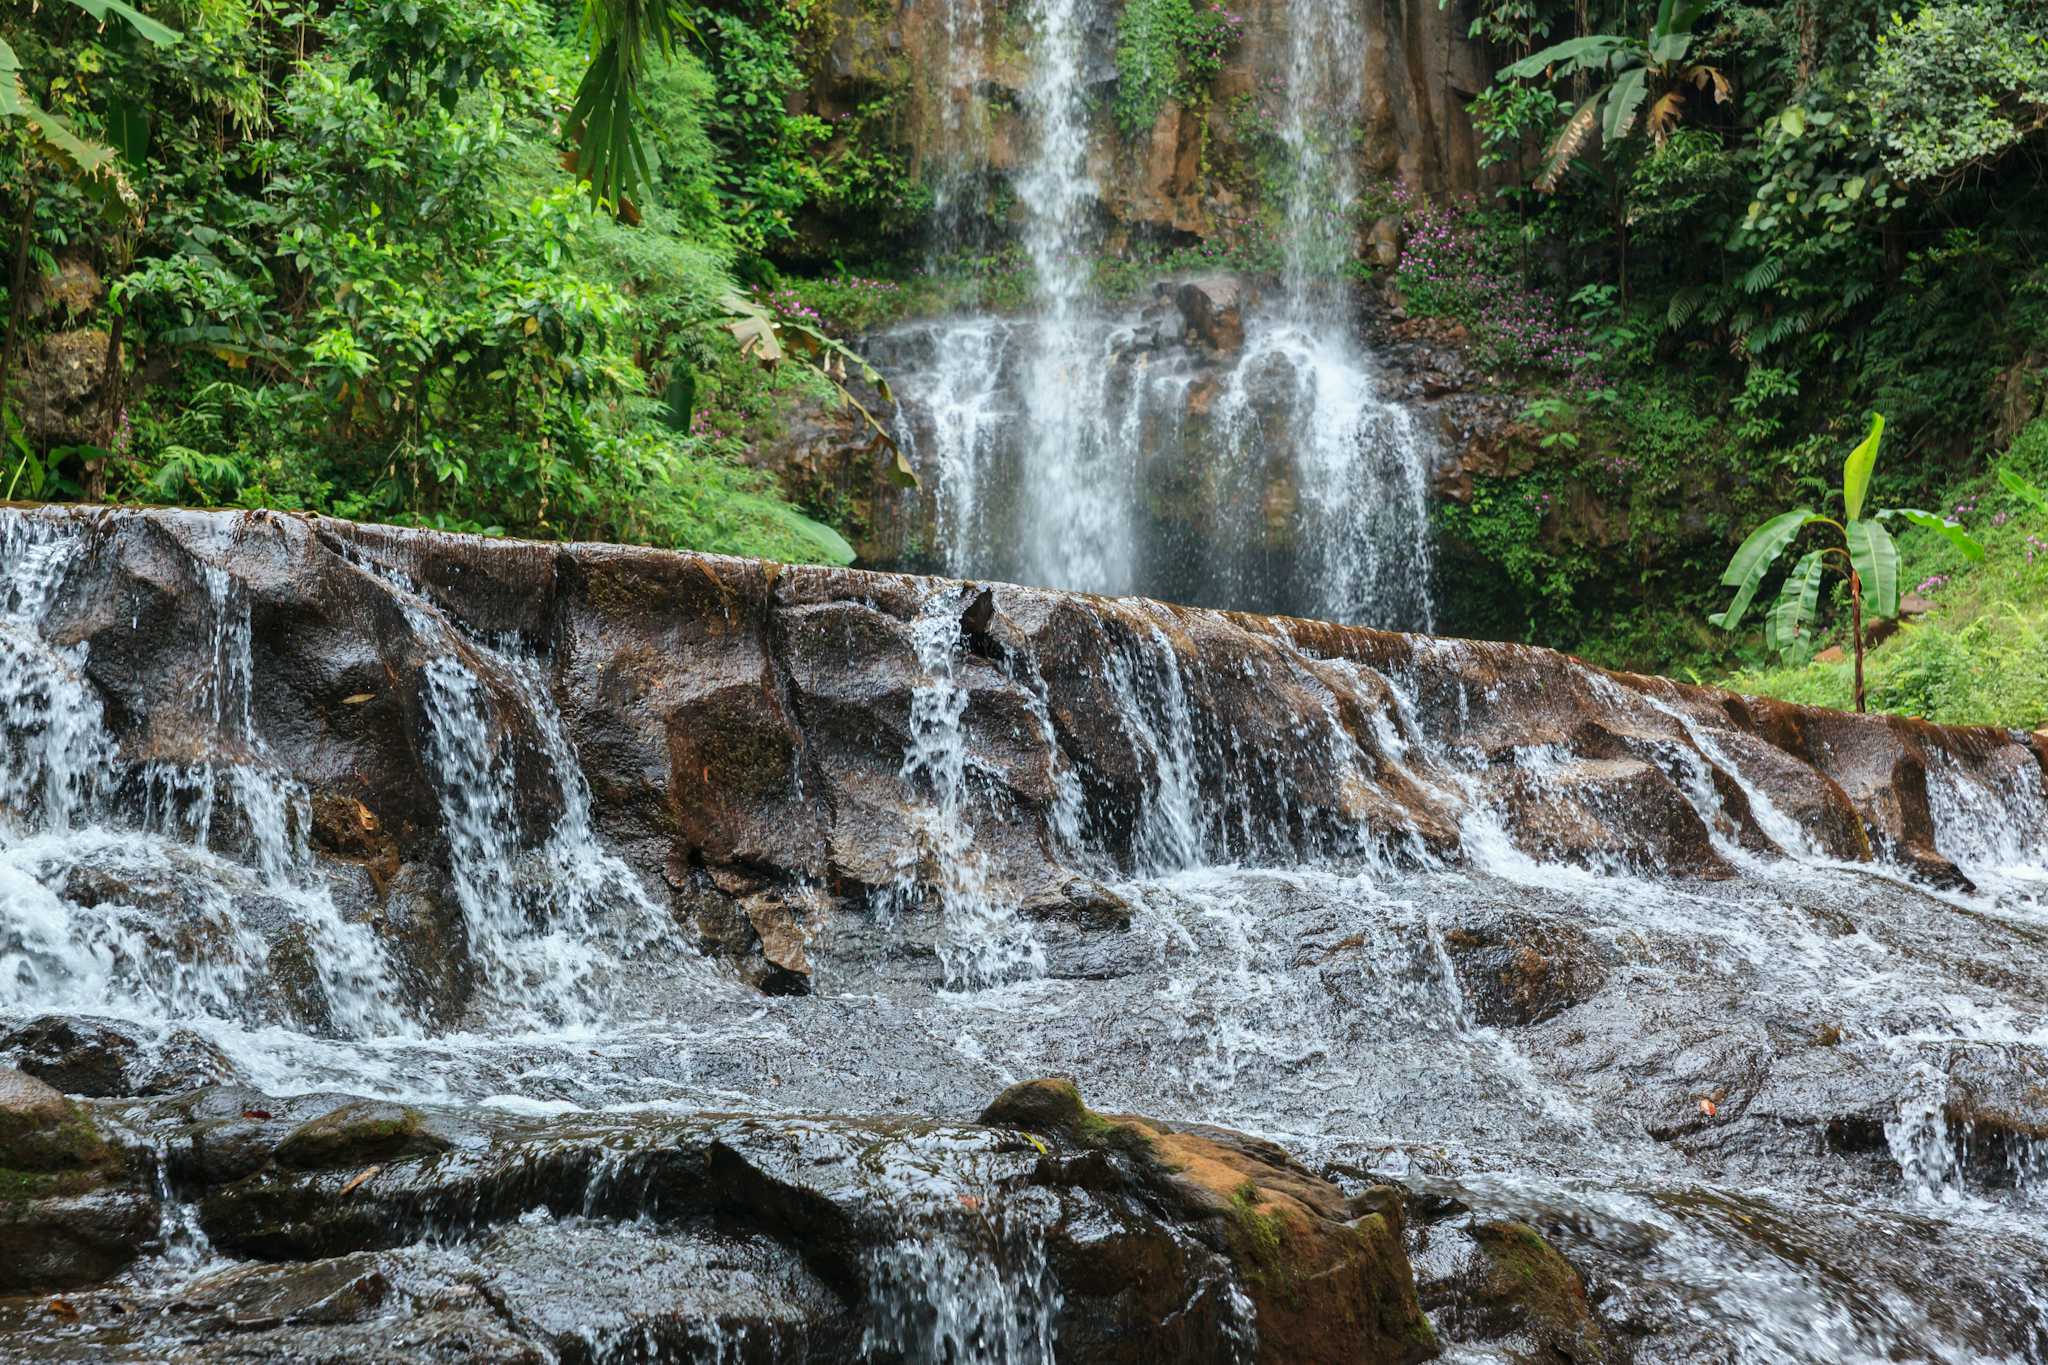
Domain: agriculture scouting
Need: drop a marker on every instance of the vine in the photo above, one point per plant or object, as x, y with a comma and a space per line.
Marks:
1168, 50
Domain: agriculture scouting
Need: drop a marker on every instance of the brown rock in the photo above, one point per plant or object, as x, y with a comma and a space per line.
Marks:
1327, 1281
1383, 242
1214, 306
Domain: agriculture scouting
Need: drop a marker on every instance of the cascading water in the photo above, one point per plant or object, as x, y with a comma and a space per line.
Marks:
1774, 1110
1114, 450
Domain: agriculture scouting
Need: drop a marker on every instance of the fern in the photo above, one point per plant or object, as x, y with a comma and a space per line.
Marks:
1765, 274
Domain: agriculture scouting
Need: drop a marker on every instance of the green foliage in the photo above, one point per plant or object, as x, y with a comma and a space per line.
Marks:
1956, 86
1980, 656
1653, 71
1168, 50
1871, 554
368, 286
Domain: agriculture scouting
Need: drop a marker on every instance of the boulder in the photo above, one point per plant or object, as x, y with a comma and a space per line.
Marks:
1214, 307
1326, 1281
105, 1057
65, 1218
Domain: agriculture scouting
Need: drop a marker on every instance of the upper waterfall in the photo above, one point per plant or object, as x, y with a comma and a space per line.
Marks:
1226, 442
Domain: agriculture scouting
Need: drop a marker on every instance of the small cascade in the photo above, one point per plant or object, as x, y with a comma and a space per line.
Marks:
933, 1300
983, 941
1153, 706
548, 925
1920, 1142
222, 826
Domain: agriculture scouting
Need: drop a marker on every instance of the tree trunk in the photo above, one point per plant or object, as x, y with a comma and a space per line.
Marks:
17, 290
1856, 628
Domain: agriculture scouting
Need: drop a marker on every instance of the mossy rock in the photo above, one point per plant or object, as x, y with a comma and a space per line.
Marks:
41, 1131
1054, 1106
64, 1221
1324, 1284
358, 1134
1519, 1286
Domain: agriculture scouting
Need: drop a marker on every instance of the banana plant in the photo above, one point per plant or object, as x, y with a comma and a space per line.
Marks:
1634, 68
1866, 553
125, 123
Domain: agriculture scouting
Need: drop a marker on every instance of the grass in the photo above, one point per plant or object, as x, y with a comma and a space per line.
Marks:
1980, 657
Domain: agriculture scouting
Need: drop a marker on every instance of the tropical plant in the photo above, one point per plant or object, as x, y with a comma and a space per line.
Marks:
1867, 555
604, 123
771, 340
127, 124
1634, 69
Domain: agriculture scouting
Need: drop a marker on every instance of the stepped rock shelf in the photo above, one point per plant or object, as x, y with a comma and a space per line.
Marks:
422, 947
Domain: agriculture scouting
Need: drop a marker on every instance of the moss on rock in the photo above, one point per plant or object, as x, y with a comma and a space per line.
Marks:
357, 1134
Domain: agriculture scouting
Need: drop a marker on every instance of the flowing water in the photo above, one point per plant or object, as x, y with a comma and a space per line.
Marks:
1108, 449
1303, 981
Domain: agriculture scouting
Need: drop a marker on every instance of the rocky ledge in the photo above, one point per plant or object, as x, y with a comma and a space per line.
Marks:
748, 731
729, 1238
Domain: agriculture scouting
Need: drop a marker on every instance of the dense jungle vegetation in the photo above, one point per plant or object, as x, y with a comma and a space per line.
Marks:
343, 256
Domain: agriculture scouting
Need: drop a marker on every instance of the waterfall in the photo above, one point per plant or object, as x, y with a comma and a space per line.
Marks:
1106, 447
982, 939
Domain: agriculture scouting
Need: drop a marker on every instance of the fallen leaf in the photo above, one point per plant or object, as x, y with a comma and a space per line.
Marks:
358, 699
360, 1177
62, 1308
1707, 1108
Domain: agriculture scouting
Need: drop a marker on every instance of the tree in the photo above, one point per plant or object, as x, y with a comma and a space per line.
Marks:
95, 163
1634, 68
1867, 554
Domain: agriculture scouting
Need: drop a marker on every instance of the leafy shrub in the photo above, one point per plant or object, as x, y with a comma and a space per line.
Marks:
1168, 50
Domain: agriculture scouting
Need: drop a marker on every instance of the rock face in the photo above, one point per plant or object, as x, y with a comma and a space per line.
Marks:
964, 71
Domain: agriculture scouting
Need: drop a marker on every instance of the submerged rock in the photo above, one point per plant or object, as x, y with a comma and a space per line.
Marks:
1506, 1283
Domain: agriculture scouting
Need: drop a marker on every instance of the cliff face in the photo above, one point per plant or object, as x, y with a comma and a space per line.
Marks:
962, 70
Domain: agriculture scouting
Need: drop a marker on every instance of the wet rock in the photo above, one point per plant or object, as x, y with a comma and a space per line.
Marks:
1588, 810
1214, 307
64, 1220
346, 1289
1518, 970
42, 1131
359, 1134
1507, 1284
105, 1057
1327, 1282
